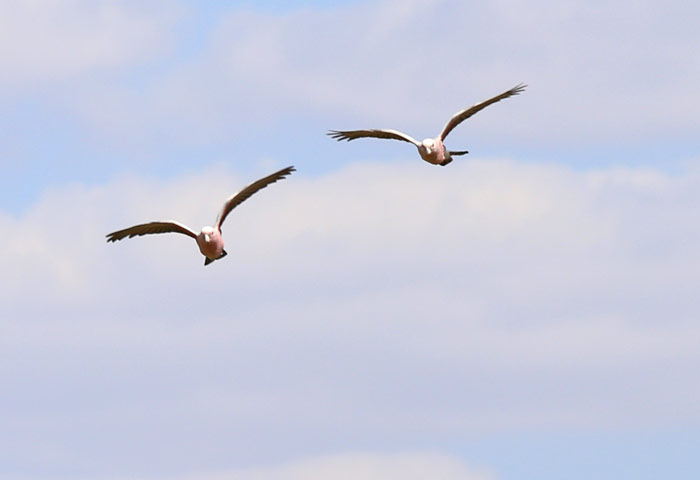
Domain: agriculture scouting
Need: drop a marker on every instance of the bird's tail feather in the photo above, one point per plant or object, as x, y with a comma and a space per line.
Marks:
454, 154
208, 260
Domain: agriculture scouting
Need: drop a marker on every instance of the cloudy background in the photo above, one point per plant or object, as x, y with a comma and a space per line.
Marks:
529, 312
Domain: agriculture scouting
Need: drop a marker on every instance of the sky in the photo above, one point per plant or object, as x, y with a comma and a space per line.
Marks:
528, 312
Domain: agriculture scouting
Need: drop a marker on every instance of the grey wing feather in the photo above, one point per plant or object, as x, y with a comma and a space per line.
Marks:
373, 133
466, 113
150, 228
240, 197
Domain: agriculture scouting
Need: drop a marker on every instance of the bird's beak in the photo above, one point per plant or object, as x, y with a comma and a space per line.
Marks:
206, 238
427, 149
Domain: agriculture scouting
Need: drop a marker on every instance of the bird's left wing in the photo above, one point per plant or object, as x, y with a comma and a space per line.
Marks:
149, 228
466, 113
236, 199
373, 133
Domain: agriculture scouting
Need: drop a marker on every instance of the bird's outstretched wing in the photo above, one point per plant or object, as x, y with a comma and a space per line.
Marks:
149, 228
237, 198
466, 113
353, 134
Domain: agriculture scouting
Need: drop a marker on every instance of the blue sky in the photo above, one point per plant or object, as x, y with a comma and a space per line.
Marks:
528, 312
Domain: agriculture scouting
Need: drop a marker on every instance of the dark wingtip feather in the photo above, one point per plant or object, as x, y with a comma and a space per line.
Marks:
338, 135
286, 171
518, 88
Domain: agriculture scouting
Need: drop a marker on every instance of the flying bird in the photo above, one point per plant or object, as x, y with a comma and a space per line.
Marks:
432, 150
209, 239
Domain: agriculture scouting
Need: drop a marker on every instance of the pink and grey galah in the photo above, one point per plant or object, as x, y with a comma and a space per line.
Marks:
432, 150
209, 240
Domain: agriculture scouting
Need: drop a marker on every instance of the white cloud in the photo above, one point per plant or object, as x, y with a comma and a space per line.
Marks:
347, 466
404, 304
42, 42
617, 72
405, 466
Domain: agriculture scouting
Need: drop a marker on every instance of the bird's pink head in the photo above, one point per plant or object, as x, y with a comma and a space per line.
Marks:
429, 145
207, 233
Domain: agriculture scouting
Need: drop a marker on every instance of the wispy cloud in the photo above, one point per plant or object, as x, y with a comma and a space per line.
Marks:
352, 466
348, 466
380, 64
499, 297
43, 42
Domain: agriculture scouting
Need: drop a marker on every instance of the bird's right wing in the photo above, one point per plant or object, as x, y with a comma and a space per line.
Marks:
459, 117
237, 198
353, 134
149, 228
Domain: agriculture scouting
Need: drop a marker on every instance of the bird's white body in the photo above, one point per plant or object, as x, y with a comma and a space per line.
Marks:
211, 243
432, 150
